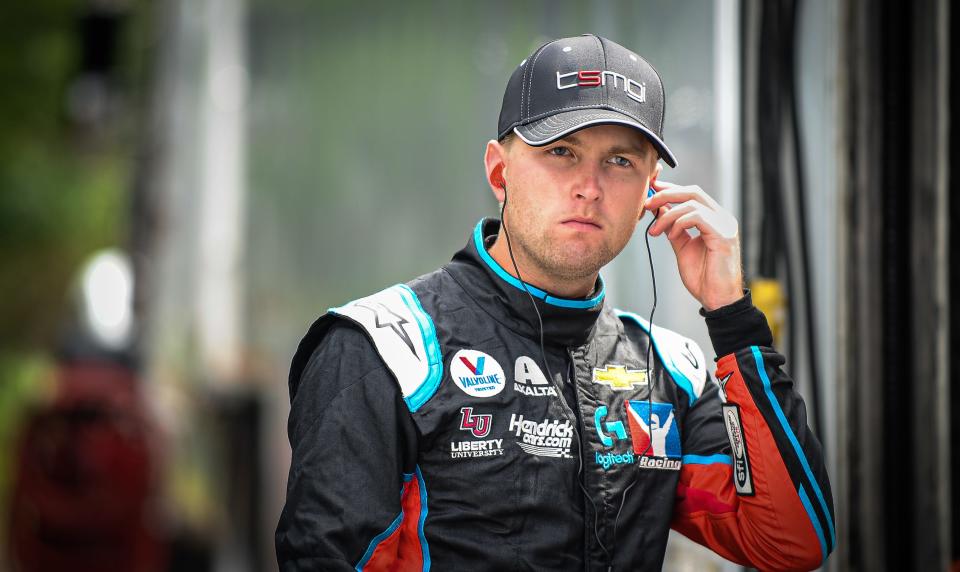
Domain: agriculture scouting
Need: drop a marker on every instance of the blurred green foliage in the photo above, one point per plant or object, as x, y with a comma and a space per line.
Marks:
62, 196
22, 385
61, 188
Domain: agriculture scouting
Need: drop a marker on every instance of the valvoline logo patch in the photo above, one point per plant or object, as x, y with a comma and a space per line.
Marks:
477, 373
475, 369
653, 429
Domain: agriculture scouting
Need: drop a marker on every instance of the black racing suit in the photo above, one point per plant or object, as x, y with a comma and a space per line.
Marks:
427, 431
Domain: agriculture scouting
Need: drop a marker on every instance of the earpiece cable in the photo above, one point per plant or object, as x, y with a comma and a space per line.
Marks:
650, 384
543, 355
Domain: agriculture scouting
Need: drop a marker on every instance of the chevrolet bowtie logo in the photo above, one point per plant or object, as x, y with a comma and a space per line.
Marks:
619, 377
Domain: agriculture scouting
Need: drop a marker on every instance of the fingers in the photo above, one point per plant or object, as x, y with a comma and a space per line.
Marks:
686, 222
679, 241
669, 193
667, 217
711, 224
695, 209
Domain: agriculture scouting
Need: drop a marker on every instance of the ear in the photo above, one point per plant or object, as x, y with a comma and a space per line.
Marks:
657, 169
656, 172
495, 164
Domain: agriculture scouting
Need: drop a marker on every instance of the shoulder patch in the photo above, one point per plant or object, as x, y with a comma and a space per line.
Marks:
682, 357
405, 338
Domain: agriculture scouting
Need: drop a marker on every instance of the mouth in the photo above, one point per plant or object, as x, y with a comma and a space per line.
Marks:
581, 223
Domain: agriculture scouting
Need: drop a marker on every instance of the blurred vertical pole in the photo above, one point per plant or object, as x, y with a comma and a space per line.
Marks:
897, 305
727, 105
726, 58
929, 260
219, 273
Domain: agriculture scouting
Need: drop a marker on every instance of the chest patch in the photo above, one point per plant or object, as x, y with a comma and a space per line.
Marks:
528, 379
477, 373
618, 377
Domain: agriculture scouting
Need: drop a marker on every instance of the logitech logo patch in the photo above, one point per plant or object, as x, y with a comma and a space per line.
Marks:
607, 460
607, 430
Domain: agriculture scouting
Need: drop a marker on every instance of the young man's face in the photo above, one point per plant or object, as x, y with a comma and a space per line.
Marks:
573, 205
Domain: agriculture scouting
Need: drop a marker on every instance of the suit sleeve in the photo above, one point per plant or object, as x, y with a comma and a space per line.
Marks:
756, 491
353, 469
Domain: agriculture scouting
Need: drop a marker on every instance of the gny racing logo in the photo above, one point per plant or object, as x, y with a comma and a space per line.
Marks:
655, 436
529, 379
596, 78
477, 374
479, 426
656, 439
543, 439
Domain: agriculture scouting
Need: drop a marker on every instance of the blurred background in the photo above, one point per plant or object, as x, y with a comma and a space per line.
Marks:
186, 185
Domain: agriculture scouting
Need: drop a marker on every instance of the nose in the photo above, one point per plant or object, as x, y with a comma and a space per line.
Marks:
588, 187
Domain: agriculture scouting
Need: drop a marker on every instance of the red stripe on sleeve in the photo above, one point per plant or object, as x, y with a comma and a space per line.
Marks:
401, 551
769, 530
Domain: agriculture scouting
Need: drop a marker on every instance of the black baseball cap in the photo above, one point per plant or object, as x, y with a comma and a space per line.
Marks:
572, 83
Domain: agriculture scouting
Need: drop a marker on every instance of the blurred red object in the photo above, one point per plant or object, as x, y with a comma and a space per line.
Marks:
83, 490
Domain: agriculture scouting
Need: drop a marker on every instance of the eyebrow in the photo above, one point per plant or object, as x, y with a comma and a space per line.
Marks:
615, 150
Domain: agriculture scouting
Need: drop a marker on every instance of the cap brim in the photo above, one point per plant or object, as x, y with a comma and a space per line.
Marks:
549, 129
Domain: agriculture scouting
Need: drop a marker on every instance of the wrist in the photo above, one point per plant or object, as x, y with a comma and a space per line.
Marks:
716, 302
737, 325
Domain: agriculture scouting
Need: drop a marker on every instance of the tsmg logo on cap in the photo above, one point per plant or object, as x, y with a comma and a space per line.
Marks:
574, 83
596, 78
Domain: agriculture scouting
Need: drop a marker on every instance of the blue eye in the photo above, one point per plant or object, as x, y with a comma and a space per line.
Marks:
621, 161
559, 151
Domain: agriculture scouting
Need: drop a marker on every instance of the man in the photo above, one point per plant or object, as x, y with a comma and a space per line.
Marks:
497, 414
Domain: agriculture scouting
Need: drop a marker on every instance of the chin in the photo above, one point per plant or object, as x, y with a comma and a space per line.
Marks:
574, 265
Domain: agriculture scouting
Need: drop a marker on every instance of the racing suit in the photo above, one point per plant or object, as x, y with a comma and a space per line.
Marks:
427, 431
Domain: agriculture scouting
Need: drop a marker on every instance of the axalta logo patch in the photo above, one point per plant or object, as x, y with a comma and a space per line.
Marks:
476, 373
548, 438
528, 379
478, 425
619, 378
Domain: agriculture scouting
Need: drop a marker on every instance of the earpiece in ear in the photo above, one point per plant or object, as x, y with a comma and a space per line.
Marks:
496, 177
